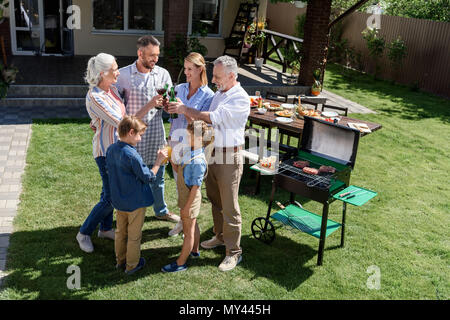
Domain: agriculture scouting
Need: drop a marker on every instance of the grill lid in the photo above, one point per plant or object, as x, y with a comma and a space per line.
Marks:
331, 141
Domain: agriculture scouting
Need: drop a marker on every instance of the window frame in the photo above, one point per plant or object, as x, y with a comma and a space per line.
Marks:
221, 13
158, 21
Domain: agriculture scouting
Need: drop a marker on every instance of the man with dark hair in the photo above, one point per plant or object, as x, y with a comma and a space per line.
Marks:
137, 84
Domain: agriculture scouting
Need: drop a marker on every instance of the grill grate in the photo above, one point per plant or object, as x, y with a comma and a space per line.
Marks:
322, 180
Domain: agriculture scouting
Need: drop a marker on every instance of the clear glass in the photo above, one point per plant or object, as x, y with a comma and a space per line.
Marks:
206, 16
141, 14
25, 42
26, 13
108, 15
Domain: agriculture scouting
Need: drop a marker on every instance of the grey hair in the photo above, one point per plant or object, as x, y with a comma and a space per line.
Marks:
96, 65
228, 63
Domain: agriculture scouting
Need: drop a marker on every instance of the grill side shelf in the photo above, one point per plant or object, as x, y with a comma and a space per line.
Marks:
303, 220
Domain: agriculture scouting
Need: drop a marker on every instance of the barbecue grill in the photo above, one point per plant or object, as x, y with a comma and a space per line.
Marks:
323, 144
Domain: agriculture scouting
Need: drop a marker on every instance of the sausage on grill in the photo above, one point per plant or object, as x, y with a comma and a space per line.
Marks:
300, 164
309, 170
327, 169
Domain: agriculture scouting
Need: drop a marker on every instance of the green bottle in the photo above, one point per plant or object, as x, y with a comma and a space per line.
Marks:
166, 86
173, 99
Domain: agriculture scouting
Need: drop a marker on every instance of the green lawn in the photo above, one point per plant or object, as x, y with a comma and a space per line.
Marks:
403, 231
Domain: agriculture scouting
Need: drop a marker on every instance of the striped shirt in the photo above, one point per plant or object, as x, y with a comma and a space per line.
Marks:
106, 109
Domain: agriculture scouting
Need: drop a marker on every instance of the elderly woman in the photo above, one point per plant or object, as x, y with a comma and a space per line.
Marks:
195, 94
106, 109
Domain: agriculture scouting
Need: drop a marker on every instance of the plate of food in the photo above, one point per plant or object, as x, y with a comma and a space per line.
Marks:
253, 101
275, 107
288, 106
283, 119
268, 163
284, 113
329, 114
308, 112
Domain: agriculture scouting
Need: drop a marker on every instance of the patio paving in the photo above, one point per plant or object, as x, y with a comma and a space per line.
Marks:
70, 71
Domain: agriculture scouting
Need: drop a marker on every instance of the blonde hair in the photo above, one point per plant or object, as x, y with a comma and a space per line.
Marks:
130, 122
198, 60
195, 127
96, 65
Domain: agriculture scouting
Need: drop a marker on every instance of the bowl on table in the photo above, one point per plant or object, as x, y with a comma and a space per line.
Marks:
261, 110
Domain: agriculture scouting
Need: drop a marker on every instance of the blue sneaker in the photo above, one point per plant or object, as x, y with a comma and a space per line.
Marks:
174, 267
140, 265
195, 254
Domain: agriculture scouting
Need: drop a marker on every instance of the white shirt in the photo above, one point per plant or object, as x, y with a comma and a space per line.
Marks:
229, 113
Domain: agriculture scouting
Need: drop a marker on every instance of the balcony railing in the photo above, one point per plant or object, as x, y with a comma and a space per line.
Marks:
278, 41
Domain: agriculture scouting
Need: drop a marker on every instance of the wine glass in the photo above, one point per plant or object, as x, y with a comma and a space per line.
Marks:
161, 91
167, 147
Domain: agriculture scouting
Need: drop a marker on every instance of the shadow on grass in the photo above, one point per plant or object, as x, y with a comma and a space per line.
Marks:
38, 262
272, 260
408, 104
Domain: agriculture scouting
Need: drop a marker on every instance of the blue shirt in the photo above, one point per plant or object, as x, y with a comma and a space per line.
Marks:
201, 101
194, 171
129, 178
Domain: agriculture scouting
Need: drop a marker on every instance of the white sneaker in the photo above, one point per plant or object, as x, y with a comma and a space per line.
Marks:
107, 234
85, 243
212, 243
230, 262
177, 229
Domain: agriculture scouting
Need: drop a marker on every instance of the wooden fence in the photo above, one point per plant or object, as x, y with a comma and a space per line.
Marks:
427, 63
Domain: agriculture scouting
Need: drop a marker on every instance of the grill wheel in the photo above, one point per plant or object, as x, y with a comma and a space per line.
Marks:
263, 230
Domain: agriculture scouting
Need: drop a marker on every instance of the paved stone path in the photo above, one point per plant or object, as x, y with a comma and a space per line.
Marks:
15, 134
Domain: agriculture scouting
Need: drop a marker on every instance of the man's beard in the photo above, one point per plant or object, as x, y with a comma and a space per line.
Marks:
147, 65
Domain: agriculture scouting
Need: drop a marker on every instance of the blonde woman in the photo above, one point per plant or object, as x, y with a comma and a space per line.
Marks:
194, 94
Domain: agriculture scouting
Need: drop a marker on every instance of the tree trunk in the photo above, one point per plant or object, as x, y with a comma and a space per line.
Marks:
315, 42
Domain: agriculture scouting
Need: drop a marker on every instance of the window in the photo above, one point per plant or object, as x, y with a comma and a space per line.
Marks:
141, 14
206, 16
108, 15
128, 15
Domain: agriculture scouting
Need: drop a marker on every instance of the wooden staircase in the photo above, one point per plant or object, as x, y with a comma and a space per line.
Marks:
235, 42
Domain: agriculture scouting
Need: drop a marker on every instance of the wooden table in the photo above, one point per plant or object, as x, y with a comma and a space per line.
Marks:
295, 128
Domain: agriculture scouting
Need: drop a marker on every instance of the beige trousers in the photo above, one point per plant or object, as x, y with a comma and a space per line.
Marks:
222, 189
128, 237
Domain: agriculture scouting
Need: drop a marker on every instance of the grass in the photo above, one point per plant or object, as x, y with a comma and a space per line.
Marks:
403, 231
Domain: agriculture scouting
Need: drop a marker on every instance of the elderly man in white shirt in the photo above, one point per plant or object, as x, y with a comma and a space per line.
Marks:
228, 115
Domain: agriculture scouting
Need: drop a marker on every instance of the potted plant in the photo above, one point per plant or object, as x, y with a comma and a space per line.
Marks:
3, 5
255, 37
317, 86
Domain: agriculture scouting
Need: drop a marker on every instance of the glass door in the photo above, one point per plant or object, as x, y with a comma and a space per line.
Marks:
66, 32
27, 35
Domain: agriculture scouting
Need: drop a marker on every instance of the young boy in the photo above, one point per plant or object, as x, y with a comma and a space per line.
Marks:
191, 172
129, 181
